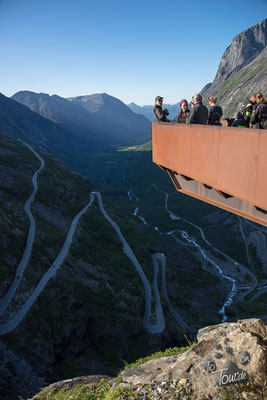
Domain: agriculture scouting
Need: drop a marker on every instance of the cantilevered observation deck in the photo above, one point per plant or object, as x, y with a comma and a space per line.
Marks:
223, 166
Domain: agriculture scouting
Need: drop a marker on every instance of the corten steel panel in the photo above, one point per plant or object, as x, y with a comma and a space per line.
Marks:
204, 153
261, 179
225, 158
237, 167
234, 205
171, 147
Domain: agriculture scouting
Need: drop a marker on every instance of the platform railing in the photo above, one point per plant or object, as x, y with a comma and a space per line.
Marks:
224, 166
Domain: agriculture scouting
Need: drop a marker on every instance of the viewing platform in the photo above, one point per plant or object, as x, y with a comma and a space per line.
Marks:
223, 166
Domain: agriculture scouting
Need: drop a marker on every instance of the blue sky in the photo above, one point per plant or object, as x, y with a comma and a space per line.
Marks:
132, 50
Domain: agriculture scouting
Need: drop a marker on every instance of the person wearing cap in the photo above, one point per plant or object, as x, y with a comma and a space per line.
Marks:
248, 110
183, 114
199, 113
159, 114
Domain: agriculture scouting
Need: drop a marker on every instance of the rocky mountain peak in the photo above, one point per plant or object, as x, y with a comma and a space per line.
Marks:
244, 48
242, 70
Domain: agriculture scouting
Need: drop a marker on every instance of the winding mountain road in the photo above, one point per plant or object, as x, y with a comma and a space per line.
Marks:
160, 325
14, 322
156, 327
4, 302
158, 260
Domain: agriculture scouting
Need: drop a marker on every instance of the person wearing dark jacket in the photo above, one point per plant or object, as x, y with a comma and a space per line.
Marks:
239, 122
199, 113
215, 119
159, 114
259, 114
183, 114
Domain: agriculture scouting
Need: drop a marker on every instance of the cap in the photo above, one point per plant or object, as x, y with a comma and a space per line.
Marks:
158, 98
182, 101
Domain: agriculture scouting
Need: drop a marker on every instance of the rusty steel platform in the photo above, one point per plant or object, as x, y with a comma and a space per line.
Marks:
224, 166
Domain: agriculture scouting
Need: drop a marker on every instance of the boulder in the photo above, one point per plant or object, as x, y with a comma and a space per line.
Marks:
229, 357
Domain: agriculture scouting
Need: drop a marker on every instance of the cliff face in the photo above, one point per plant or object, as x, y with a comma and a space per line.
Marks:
242, 71
245, 48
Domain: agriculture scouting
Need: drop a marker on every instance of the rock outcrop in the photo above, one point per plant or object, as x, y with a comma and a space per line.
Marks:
244, 48
229, 361
230, 356
242, 70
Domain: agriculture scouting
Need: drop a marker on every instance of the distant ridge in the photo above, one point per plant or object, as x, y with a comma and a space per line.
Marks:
112, 116
147, 111
100, 119
19, 122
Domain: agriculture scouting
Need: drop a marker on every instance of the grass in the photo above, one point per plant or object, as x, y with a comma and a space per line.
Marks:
172, 351
141, 147
100, 391
105, 390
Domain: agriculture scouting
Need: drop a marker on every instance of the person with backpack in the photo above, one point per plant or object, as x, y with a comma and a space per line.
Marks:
248, 110
239, 122
213, 108
259, 113
215, 119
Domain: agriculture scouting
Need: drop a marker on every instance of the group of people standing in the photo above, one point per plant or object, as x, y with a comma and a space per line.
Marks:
254, 114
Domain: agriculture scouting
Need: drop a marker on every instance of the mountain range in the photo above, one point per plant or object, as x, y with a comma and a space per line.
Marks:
89, 317
100, 119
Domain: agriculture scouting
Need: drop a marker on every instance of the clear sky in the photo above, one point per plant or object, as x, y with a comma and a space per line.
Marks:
132, 50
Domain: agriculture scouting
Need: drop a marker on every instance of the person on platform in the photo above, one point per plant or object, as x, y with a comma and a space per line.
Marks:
259, 114
239, 122
215, 119
213, 108
160, 115
184, 112
199, 113
248, 110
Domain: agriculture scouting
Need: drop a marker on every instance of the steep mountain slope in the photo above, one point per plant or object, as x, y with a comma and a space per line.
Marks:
233, 93
18, 121
245, 47
115, 118
100, 119
70, 117
84, 319
242, 70
88, 318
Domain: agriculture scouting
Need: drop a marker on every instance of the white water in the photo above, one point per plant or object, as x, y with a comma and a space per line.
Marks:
229, 299
185, 236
